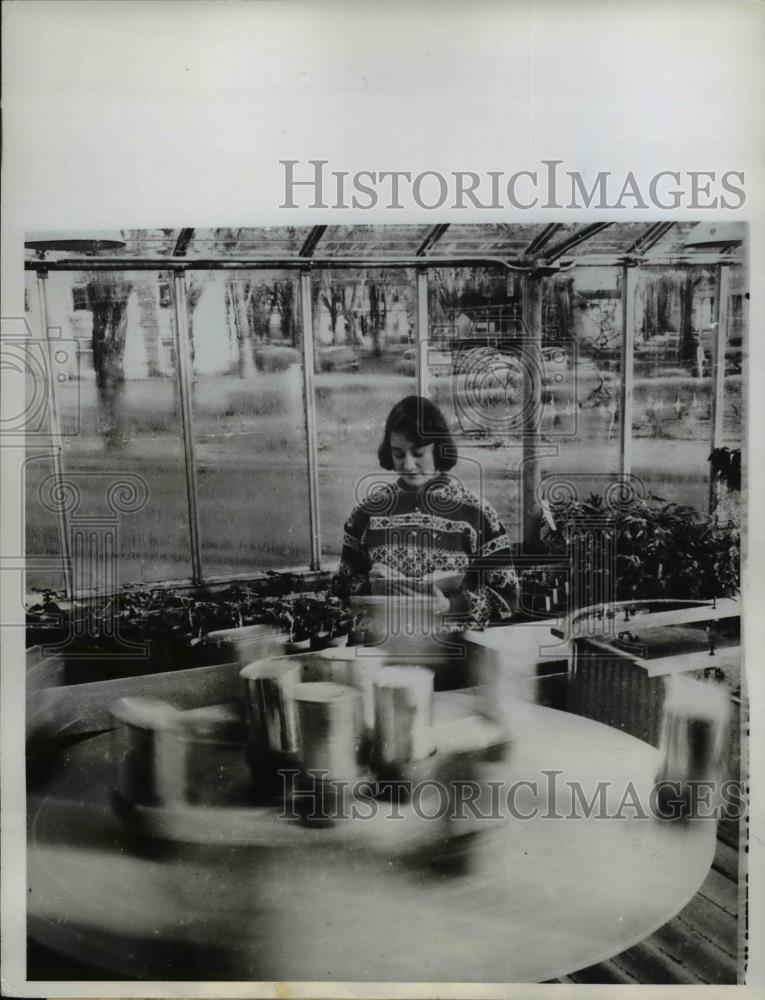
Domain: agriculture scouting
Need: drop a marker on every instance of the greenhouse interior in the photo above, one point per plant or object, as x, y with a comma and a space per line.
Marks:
204, 413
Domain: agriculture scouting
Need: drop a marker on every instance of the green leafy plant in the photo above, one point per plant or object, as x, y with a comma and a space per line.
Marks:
661, 550
165, 615
726, 467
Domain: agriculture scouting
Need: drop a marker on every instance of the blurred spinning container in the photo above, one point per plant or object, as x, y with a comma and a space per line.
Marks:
354, 667
168, 757
329, 727
403, 718
695, 727
271, 715
272, 722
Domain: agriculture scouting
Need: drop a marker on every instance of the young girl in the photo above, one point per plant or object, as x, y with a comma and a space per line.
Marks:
425, 534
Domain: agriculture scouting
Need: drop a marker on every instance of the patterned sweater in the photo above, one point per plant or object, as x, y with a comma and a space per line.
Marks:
439, 527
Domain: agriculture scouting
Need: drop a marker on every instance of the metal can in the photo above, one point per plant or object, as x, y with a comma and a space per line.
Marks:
271, 716
403, 716
329, 726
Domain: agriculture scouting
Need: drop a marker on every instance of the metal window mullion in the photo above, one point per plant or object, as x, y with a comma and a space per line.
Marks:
55, 437
185, 376
422, 332
532, 402
309, 406
719, 344
627, 369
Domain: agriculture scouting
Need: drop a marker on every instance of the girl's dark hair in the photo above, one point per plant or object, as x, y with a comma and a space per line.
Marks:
422, 423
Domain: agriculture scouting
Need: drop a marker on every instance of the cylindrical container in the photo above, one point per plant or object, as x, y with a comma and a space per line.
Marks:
248, 643
271, 716
694, 730
403, 716
143, 721
329, 724
200, 759
354, 668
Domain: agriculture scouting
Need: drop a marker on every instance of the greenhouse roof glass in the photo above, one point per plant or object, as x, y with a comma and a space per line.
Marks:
526, 246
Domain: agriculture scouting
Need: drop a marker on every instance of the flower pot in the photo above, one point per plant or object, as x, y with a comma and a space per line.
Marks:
298, 645
338, 640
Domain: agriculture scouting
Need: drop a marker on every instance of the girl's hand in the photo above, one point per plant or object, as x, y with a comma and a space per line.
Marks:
424, 590
440, 601
384, 579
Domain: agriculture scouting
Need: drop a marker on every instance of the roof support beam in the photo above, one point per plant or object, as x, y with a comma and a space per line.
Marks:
312, 240
433, 236
541, 238
585, 233
650, 237
182, 243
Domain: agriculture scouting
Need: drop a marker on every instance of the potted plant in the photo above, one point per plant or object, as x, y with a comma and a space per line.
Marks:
725, 464
157, 630
661, 550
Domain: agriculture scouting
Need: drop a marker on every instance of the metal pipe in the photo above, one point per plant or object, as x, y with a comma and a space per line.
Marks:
185, 377
422, 332
55, 437
665, 260
719, 343
627, 369
296, 263
532, 387
268, 263
309, 406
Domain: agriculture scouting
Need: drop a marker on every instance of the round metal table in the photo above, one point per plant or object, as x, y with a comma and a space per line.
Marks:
532, 899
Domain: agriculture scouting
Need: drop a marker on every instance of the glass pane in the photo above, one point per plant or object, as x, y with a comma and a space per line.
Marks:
581, 372
270, 241
249, 422
42, 535
365, 241
366, 359
474, 373
123, 452
675, 312
736, 359
500, 239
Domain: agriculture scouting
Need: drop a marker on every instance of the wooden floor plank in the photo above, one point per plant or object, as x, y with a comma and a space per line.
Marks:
711, 964
698, 946
726, 860
722, 892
